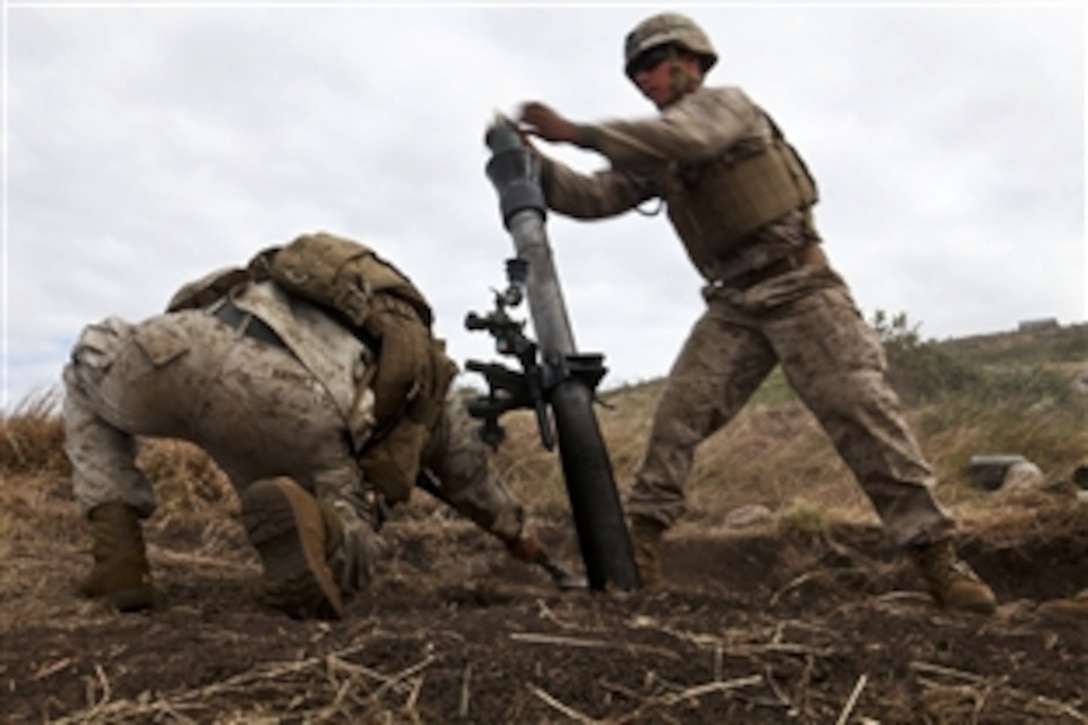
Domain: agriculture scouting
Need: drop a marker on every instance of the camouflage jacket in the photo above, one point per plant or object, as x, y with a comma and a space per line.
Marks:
677, 156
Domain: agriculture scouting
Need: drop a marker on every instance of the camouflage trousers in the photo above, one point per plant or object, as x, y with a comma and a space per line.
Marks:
807, 322
253, 407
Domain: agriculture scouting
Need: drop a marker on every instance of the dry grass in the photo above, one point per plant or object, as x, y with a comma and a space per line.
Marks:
31, 436
774, 453
186, 480
334, 688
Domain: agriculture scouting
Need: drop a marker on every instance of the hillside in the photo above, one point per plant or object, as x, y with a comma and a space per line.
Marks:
1031, 345
806, 615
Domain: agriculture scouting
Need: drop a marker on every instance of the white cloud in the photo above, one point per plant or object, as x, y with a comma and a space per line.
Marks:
146, 145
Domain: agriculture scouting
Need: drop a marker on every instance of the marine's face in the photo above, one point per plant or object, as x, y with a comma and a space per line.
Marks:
651, 75
664, 81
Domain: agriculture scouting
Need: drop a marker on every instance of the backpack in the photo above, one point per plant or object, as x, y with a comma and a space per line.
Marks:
381, 305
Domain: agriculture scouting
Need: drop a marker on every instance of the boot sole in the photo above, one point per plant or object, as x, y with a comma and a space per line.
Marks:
285, 526
131, 600
979, 607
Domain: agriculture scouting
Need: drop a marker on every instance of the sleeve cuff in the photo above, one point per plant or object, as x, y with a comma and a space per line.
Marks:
587, 137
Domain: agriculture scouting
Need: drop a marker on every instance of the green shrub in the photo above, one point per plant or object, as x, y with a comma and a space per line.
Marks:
921, 371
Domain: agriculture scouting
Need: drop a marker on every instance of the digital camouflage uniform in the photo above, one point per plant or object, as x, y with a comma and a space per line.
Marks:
274, 400
254, 407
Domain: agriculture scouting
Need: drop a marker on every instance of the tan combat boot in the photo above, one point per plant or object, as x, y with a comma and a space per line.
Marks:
951, 581
121, 574
646, 536
291, 535
1075, 607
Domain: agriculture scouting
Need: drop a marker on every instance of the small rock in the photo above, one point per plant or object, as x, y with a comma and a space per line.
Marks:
988, 471
1022, 476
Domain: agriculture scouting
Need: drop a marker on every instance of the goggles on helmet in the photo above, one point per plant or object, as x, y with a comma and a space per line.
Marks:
648, 60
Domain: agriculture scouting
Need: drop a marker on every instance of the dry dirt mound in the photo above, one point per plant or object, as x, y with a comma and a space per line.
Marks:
794, 628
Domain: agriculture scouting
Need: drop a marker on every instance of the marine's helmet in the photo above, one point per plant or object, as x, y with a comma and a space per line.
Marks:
669, 29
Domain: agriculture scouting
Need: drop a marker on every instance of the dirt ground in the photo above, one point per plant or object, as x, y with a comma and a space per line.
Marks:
751, 627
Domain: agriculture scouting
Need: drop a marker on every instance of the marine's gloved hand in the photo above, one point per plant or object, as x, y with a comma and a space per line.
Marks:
525, 546
521, 131
356, 548
540, 120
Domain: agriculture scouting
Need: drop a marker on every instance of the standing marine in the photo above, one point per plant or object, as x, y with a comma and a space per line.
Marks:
741, 200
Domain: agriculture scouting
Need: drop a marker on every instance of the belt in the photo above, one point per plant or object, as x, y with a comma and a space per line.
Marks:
808, 256
248, 324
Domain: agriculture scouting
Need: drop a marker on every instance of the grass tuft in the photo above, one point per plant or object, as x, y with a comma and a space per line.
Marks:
32, 436
802, 516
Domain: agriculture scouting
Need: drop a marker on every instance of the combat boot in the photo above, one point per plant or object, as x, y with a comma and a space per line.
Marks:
292, 535
950, 580
646, 536
1075, 607
121, 574
334, 532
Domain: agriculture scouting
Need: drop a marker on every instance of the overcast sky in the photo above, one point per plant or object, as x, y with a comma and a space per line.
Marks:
146, 144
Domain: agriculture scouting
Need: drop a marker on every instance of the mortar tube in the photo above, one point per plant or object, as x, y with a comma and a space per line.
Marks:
587, 470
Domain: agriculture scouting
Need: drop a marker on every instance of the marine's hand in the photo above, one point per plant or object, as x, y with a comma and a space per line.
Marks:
520, 130
540, 120
358, 551
526, 547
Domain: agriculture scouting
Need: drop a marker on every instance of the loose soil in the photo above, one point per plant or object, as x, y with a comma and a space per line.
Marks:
753, 626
